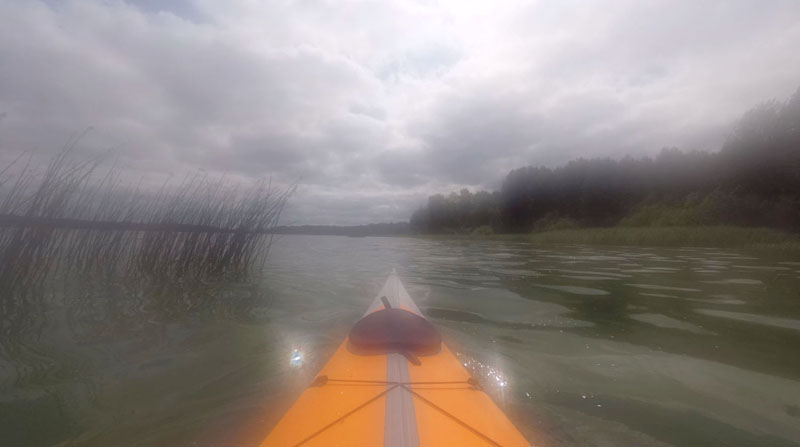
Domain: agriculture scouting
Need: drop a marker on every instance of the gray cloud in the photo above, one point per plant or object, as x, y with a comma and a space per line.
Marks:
373, 106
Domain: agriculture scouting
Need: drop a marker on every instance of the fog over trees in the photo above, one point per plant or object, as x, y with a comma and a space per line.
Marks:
754, 180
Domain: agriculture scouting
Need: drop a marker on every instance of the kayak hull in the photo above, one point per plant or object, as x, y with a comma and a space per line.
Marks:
394, 400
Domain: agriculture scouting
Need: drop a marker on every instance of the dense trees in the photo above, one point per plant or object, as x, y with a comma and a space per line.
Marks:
461, 210
753, 180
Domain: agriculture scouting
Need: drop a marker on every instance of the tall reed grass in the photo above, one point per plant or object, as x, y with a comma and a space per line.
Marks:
85, 250
71, 218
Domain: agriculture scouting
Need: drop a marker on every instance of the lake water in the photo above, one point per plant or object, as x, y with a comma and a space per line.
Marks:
579, 345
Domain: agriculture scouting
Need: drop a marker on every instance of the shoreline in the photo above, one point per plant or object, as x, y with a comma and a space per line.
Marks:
678, 236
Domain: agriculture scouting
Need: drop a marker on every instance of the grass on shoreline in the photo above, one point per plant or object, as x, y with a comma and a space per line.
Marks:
722, 236
685, 236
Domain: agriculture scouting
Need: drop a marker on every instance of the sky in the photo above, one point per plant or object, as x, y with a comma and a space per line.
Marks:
370, 107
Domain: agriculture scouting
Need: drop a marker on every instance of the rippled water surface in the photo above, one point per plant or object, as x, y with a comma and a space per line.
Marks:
580, 345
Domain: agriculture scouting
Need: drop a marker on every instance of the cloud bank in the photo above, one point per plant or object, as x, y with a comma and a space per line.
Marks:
372, 106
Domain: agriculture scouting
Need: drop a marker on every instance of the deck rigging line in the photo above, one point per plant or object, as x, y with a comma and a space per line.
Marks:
324, 380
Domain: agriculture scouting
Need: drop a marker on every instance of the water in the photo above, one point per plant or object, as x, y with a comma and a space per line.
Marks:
580, 346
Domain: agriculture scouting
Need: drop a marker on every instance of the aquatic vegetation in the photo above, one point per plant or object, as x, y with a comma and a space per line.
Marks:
69, 219
68, 223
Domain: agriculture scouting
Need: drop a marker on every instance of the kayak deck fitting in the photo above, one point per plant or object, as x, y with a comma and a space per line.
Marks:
393, 383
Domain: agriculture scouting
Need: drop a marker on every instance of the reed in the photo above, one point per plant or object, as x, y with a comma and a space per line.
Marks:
72, 219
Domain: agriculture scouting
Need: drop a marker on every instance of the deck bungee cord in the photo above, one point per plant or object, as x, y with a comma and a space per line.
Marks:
425, 398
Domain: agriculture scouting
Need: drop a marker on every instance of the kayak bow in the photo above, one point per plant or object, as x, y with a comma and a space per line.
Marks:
393, 383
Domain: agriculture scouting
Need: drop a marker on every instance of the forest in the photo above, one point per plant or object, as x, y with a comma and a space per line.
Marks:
752, 181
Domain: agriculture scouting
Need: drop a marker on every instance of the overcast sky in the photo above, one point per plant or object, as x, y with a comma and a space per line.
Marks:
372, 106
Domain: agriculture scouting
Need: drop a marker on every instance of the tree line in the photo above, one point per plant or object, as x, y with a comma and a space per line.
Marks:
753, 180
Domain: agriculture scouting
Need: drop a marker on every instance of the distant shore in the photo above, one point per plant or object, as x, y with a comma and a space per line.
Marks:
688, 236
674, 236
723, 236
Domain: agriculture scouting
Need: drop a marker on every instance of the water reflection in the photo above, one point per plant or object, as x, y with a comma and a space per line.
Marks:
487, 375
727, 311
296, 359
612, 342
70, 340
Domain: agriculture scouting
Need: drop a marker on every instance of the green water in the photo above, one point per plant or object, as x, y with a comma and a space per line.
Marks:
581, 346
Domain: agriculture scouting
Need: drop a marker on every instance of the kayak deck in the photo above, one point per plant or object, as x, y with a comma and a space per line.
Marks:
389, 400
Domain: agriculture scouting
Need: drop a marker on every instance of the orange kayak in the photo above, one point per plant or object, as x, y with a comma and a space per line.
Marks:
393, 383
